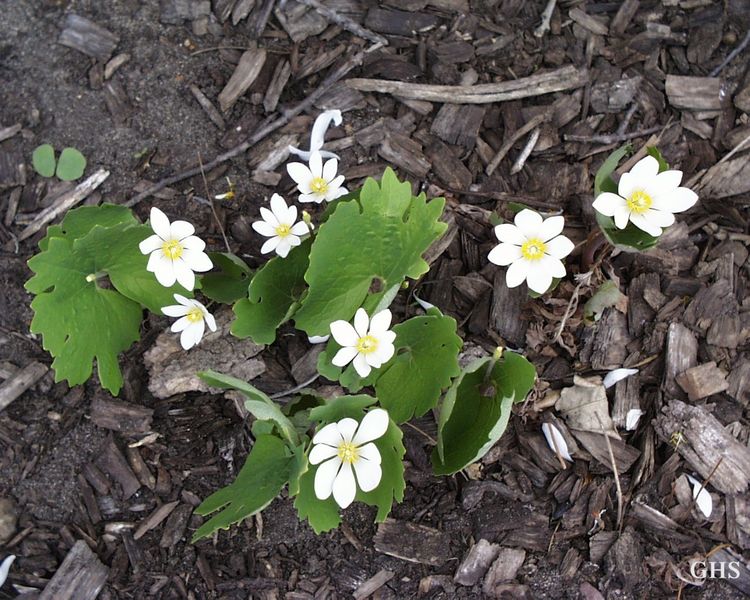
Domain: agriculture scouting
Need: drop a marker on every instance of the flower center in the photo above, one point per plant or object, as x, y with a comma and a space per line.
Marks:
319, 185
367, 344
172, 249
194, 315
639, 202
348, 452
533, 249
283, 230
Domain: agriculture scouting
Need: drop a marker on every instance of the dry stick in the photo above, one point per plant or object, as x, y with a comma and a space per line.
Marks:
517, 135
614, 471
526, 152
345, 22
612, 137
213, 208
707, 479
743, 44
64, 202
546, 18
266, 128
263, 16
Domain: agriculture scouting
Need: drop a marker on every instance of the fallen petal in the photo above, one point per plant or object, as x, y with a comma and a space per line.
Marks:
618, 374
556, 441
702, 498
632, 418
5, 567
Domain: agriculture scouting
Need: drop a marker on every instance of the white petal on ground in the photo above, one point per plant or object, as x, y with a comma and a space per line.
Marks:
504, 254
344, 486
613, 377
344, 333
159, 223
325, 476
5, 568
380, 322
368, 474
702, 498
373, 426
321, 125
631, 419
529, 222
328, 435
553, 433
361, 322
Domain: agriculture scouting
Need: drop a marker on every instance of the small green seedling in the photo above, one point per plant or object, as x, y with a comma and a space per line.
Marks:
69, 167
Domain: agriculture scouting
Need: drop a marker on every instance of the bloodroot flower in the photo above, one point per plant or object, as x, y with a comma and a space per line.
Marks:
646, 198
192, 322
279, 225
175, 251
532, 249
369, 343
317, 182
343, 446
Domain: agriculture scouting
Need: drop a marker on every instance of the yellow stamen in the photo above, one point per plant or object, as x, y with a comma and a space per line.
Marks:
283, 230
319, 185
639, 202
172, 249
194, 315
367, 344
348, 452
533, 249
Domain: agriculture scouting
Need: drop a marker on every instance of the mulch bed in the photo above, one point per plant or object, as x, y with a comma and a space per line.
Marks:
97, 495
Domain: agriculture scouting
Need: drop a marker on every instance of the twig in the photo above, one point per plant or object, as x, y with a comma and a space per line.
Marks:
215, 48
731, 56
546, 18
64, 202
628, 117
345, 22
612, 137
614, 471
213, 208
432, 440
583, 279
517, 135
526, 152
707, 479
266, 128
295, 389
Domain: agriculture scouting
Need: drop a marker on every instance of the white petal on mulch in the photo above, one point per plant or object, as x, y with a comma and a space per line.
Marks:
702, 498
5, 568
556, 441
631, 419
613, 377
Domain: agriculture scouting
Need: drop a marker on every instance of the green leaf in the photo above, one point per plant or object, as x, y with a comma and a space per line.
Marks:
43, 160
631, 236
654, 151
274, 293
323, 515
261, 479
79, 221
71, 164
229, 284
476, 409
379, 239
79, 321
608, 295
257, 403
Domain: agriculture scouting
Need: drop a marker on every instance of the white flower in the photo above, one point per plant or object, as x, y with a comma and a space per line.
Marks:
175, 251
369, 343
317, 182
646, 198
279, 225
5, 568
192, 322
556, 441
343, 446
533, 248
321, 125
701, 496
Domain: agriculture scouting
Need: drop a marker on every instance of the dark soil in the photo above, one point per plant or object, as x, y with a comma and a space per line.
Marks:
48, 441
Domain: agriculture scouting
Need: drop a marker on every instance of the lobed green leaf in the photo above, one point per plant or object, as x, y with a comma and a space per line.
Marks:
230, 283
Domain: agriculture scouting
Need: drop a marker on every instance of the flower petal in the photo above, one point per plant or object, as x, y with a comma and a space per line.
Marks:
678, 200
159, 223
606, 203
179, 230
370, 453
645, 169
556, 441
330, 168
279, 209
263, 228
344, 356
197, 261
328, 435
283, 247
361, 322
516, 273
627, 184
270, 245
701, 496
321, 452
343, 332
184, 274
269, 217
538, 278
383, 353
380, 322
325, 476
151, 243
300, 228
373, 426
347, 427
175, 310
308, 197
529, 222
316, 164
210, 321
360, 365
193, 242
387, 337
321, 125
554, 266
643, 223
344, 486
185, 301
506, 232
162, 268
666, 181
503, 254
559, 247
187, 337
180, 325
660, 218
301, 175
551, 227
622, 216
368, 474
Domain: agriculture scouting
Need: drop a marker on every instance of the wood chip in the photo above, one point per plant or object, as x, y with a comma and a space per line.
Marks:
399, 22
476, 562
155, 519
12, 170
86, 36
412, 542
113, 463
20, 381
81, 576
279, 79
682, 354
208, 107
373, 584
458, 124
703, 381
117, 415
176, 525
247, 70
503, 570
404, 152
695, 93
593, 24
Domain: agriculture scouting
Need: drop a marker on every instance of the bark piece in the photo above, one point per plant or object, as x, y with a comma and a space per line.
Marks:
627, 398
503, 570
584, 405
279, 79
86, 36
458, 124
399, 22
704, 443
702, 381
12, 170
739, 381
404, 152
373, 584
593, 24
695, 93
113, 463
155, 519
714, 311
120, 416
299, 21
173, 371
595, 444
738, 520
506, 311
412, 542
175, 527
20, 381
624, 560
682, 354
208, 107
247, 70
607, 349
476, 562
8, 519
81, 576
623, 17
728, 178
